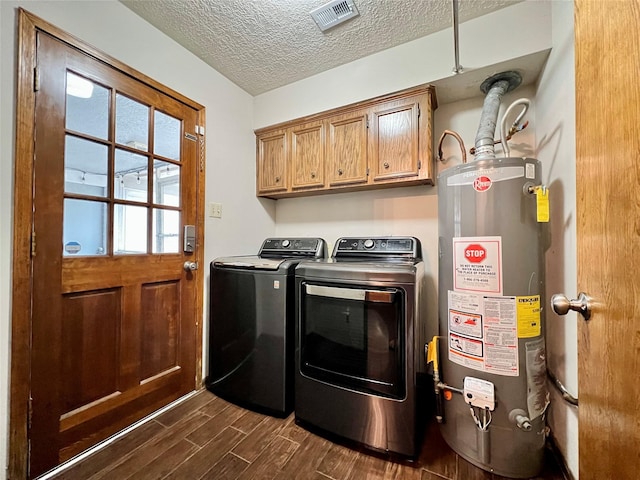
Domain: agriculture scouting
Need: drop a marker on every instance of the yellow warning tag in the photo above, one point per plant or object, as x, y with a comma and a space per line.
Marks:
528, 313
432, 352
542, 204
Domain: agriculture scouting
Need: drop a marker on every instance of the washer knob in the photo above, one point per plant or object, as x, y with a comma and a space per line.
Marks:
368, 243
285, 243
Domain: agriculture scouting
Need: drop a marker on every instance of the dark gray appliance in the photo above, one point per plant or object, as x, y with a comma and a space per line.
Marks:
252, 324
359, 343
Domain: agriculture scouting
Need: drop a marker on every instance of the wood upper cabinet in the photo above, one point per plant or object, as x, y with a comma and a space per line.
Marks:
307, 155
347, 148
396, 149
272, 162
383, 142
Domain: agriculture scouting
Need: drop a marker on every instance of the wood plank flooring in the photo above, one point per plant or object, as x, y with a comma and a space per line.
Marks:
206, 437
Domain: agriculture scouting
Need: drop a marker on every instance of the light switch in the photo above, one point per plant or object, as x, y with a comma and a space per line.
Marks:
215, 210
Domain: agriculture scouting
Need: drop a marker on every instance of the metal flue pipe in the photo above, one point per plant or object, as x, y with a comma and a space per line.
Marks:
495, 87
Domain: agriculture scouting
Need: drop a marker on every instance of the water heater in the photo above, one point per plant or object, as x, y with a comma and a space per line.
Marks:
491, 378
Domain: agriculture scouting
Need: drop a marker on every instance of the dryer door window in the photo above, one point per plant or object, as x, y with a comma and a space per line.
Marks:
354, 337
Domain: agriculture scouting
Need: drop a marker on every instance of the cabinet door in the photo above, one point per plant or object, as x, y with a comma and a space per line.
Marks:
307, 156
272, 161
395, 140
347, 148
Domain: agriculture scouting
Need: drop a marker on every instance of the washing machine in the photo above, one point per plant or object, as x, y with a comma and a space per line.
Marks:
360, 336
252, 324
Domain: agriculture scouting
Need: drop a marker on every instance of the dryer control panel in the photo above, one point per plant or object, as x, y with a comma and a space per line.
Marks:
378, 247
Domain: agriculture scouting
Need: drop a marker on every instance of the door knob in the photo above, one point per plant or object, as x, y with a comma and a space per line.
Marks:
561, 304
190, 266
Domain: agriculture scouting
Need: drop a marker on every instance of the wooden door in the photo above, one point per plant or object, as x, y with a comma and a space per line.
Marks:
114, 309
347, 140
307, 156
607, 47
271, 167
395, 144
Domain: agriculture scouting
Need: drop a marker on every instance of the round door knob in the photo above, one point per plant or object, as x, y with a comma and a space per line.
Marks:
190, 266
561, 304
368, 243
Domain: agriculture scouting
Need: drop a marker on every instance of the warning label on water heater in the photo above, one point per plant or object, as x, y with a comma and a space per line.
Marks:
483, 332
477, 264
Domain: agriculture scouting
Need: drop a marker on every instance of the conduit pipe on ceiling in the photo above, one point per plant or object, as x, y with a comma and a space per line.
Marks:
495, 87
457, 68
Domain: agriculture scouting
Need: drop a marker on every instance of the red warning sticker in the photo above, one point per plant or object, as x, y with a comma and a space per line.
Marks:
477, 264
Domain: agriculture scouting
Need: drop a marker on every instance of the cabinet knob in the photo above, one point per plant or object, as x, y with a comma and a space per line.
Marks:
277, 179
340, 172
313, 175
386, 165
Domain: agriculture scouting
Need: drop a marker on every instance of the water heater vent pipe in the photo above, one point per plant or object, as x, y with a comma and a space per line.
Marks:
495, 87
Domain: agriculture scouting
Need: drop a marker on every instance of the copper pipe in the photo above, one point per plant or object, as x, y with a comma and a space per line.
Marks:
458, 138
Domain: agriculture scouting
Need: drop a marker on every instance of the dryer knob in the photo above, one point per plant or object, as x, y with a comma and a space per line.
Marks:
368, 243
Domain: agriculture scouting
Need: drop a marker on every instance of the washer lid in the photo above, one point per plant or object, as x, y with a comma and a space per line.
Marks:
249, 262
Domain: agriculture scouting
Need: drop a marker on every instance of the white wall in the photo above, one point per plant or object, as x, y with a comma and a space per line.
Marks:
409, 211
230, 166
509, 33
555, 119
414, 210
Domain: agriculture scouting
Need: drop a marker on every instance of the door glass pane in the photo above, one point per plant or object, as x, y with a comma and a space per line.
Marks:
129, 229
166, 183
87, 109
132, 123
85, 167
166, 136
131, 174
85, 227
166, 231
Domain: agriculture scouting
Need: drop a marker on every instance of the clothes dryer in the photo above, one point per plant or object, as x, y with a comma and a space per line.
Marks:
360, 337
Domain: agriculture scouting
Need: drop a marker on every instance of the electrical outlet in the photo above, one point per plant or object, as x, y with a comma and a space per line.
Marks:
215, 210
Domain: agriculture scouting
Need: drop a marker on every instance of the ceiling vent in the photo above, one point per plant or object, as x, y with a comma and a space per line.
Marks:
334, 13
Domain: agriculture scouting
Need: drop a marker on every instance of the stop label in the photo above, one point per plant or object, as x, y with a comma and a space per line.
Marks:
475, 253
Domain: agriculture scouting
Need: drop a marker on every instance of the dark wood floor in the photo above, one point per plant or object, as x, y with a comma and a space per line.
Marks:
206, 437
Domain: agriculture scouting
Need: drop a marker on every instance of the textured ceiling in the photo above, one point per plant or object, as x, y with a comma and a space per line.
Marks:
265, 44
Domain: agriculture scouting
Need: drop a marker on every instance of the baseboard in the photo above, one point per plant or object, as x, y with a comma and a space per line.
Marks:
552, 445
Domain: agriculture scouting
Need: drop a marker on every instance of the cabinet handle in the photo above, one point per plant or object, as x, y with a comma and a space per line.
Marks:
386, 165
340, 172
277, 179
313, 175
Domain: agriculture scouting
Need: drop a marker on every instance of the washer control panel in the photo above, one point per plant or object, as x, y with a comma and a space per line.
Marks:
378, 246
304, 247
